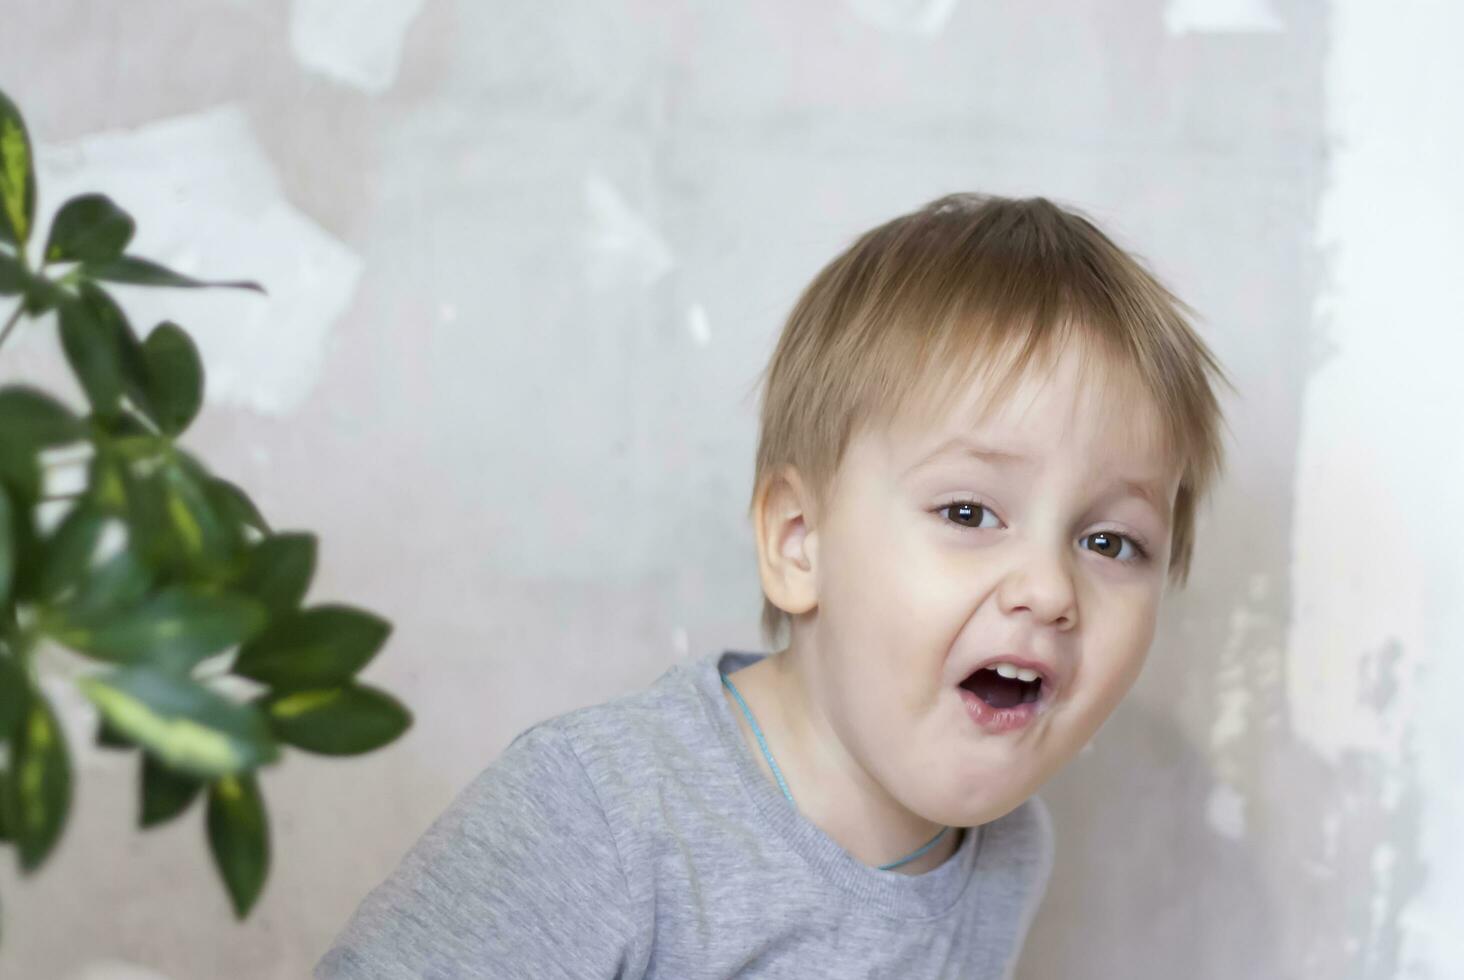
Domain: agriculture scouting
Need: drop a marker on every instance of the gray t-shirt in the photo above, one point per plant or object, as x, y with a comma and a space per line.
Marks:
638, 838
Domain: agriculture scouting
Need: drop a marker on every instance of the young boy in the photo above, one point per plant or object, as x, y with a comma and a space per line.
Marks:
985, 432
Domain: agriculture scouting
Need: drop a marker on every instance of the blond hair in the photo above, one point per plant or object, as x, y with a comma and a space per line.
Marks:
924, 302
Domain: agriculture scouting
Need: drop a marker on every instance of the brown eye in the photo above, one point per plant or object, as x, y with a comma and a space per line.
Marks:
1110, 544
967, 513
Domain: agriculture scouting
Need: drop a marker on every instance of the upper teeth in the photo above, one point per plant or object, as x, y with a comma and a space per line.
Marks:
1012, 670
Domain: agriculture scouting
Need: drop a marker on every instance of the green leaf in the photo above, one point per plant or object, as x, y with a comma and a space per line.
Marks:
34, 419
178, 530
238, 838
17, 176
190, 728
132, 359
175, 377
163, 794
30, 420
5, 834
109, 738
41, 294
346, 720
94, 352
12, 694
88, 228
118, 583
7, 549
317, 647
173, 629
191, 464
20, 472
12, 276
21, 551
129, 436
25, 543
234, 505
277, 571
202, 538
138, 271
68, 551
36, 794
105, 475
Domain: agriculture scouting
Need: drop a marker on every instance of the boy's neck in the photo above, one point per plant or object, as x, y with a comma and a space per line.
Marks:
828, 785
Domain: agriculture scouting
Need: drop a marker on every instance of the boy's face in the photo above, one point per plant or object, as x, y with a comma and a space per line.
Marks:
1039, 559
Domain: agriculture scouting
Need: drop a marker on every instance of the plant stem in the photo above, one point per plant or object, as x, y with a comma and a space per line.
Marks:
10, 324
20, 257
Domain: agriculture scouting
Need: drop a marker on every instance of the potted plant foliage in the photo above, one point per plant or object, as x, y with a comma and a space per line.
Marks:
162, 572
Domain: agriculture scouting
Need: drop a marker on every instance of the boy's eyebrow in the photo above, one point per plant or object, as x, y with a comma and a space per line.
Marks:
969, 447
1148, 491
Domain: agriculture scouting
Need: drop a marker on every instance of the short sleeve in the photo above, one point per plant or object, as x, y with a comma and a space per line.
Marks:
519, 877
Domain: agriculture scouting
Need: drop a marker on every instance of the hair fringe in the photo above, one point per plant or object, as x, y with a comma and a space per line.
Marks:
925, 303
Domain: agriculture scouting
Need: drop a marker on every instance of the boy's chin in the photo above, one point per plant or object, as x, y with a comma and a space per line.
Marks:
975, 813
983, 793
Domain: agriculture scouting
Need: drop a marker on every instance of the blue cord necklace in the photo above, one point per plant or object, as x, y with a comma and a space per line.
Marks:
778, 774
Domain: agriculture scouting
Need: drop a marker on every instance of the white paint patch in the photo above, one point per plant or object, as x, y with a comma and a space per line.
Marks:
680, 641
1378, 537
208, 204
1225, 811
1232, 720
699, 325
63, 472
1221, 17
927, 17
115, 970
355, 42
620, 245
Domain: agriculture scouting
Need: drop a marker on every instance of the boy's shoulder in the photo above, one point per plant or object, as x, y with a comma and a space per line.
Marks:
665, 719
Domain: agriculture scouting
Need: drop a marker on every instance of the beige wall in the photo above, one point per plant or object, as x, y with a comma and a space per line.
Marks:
524, 261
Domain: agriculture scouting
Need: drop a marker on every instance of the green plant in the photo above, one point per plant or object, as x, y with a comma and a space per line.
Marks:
159, 569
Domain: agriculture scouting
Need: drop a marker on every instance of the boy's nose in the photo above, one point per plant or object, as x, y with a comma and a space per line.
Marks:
1043, 586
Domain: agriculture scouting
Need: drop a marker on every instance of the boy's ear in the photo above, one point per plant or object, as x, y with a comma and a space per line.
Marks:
787, 547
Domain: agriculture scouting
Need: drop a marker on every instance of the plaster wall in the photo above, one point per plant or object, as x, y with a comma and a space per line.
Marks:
524, 262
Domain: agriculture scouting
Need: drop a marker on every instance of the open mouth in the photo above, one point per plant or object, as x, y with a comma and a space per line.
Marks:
1000, 687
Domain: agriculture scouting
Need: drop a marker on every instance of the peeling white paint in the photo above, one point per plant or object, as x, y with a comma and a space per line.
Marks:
110, 542
699, 325
621, 245
115, 970
1331, 834
1221, 17
1225, 811
355, 42
1384, 859
927, 17
1260, 586
1233, 718
208, 204
1378, 539
63, 471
